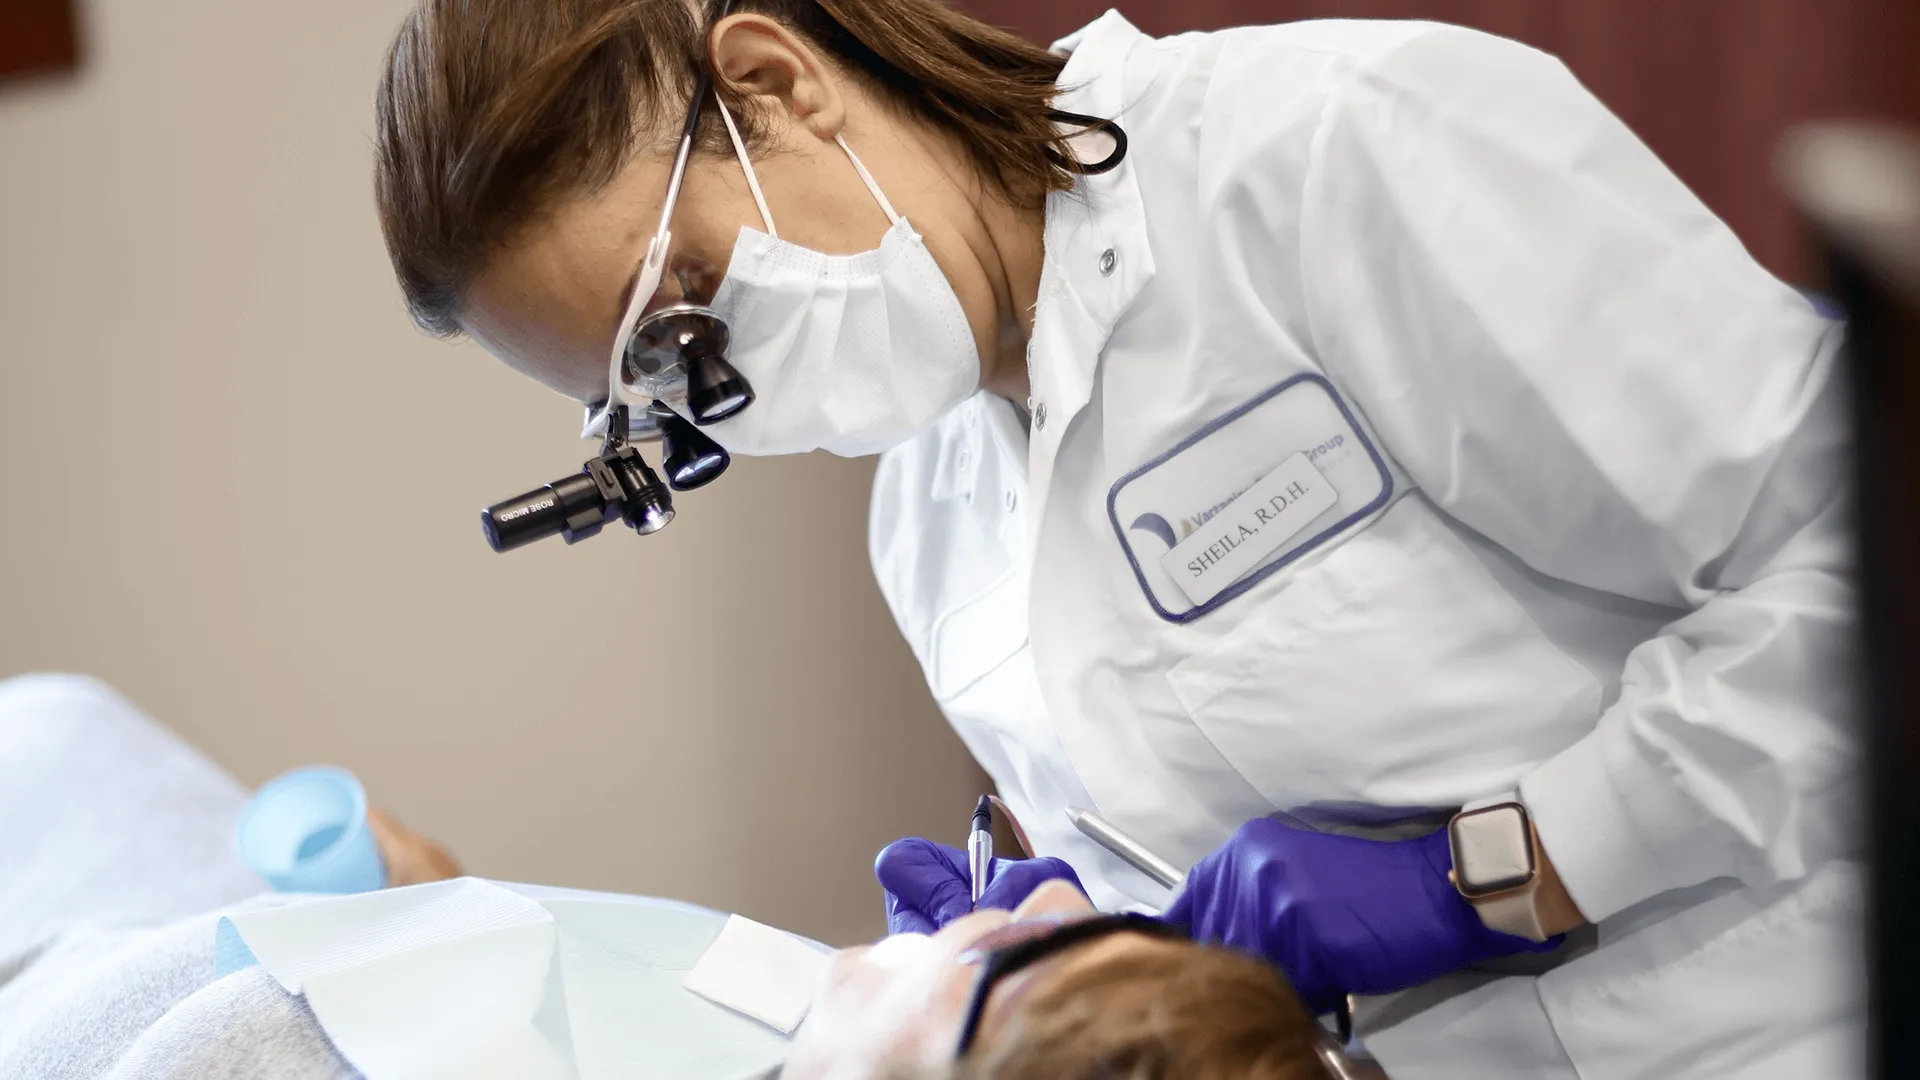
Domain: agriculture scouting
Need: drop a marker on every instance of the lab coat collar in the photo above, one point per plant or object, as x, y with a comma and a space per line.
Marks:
1109, 22
1097, 258
1102, 212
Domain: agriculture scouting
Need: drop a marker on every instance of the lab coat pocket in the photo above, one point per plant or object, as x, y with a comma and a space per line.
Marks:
1394, 672
973, 638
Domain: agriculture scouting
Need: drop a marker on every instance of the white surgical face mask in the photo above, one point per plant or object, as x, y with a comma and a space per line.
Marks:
846, 353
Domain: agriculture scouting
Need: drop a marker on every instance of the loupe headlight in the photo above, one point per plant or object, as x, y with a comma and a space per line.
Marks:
617, 485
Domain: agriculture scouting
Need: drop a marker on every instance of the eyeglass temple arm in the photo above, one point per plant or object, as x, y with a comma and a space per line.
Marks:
695, 106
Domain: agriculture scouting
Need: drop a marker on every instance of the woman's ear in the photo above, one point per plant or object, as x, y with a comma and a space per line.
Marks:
784, 74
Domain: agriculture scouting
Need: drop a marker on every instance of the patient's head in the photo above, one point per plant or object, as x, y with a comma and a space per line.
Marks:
1125, 1006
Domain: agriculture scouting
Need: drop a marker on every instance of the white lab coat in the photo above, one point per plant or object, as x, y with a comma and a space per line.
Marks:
1590, 540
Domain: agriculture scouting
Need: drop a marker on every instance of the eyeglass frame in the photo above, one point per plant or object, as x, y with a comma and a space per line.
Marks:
1016, 957
655, 260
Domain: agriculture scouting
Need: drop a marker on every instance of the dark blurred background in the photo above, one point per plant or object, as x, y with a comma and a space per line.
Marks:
1711, 85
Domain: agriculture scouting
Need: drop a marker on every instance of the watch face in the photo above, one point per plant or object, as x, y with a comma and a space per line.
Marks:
1492, 850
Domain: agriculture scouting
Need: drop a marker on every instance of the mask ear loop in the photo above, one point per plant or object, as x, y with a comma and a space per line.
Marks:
867, 179
753, 182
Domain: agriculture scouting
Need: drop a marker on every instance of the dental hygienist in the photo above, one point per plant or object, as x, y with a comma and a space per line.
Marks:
1338, 452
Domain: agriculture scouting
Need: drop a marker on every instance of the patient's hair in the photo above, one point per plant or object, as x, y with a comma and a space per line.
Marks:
1176, 1011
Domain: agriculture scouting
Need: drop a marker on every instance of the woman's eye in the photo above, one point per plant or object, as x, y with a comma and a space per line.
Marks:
698, 280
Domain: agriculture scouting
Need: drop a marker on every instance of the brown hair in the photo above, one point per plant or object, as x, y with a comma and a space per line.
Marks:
490, 110
1174, 1011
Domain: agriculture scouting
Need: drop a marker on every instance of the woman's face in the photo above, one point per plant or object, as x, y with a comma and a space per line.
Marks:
900, 1001
549, 304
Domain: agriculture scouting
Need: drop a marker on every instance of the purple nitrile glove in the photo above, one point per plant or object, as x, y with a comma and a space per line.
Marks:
928, 886
1340, 915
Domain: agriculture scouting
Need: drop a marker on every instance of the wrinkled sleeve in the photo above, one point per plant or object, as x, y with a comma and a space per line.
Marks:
1570, 355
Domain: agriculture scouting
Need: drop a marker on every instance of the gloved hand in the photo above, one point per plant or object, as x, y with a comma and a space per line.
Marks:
928, 886
1339, 914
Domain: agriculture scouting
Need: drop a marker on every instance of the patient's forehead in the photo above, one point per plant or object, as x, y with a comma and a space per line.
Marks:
1054, 898
1118, 951
900, 1000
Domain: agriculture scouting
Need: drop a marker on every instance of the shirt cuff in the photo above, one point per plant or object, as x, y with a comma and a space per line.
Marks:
1618, 827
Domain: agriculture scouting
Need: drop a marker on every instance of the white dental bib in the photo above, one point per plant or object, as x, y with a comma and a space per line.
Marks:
481, 980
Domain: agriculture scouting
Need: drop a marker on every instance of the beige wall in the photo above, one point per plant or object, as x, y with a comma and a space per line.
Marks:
238, 484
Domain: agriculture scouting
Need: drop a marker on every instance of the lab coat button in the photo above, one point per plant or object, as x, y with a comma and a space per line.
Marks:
1012, 501
1108, 260
1040, 416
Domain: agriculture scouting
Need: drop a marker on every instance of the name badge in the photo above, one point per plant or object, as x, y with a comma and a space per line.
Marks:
1263, 484
1249, 528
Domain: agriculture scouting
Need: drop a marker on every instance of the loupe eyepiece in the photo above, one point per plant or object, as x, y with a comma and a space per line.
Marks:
688, 456
715, 390
686, 342
617, 485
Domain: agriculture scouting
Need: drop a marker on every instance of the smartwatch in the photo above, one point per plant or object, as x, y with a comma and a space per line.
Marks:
1496, 867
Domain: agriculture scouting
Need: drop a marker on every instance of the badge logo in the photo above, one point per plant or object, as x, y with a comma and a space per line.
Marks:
1171, 533
1156, 525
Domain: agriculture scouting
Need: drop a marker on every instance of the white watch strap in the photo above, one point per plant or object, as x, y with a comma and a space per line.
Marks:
1513, 912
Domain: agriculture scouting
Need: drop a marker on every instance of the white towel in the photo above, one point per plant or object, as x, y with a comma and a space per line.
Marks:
114, 834
116, 841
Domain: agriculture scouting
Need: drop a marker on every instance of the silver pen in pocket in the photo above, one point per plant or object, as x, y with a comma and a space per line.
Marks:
1126, 848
